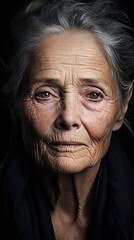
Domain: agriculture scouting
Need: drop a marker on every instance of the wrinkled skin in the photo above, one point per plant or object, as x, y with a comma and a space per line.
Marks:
71, 105
68, 111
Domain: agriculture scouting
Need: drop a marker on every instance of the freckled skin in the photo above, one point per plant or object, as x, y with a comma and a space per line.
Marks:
80, 104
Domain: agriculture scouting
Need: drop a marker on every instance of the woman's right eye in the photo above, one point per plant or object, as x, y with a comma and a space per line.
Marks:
43, 95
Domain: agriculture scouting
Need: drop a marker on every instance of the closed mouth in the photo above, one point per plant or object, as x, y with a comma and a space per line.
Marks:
66, 145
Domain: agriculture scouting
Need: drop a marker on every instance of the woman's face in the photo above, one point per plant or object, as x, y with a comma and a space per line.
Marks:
71, 105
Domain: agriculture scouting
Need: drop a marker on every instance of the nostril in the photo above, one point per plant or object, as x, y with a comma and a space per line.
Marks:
63, 126
75, 125
66, 126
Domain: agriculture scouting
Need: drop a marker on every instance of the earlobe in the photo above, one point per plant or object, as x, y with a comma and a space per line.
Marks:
122, 112
118, 123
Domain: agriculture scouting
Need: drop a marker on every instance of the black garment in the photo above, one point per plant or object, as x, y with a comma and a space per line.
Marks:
24, 209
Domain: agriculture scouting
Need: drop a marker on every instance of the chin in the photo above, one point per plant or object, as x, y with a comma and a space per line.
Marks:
67, 165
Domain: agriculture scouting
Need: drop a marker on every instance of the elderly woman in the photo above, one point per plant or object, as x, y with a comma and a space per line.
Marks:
67, 175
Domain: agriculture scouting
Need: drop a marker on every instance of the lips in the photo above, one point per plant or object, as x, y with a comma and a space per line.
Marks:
66, 146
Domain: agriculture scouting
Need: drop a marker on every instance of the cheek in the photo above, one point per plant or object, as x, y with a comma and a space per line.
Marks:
42, 123
36, 119
99, 124
36, 124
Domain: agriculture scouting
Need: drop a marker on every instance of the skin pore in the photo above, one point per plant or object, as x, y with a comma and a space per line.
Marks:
68, 112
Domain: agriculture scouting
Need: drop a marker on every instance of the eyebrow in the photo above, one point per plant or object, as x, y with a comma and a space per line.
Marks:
93, 80
51, 81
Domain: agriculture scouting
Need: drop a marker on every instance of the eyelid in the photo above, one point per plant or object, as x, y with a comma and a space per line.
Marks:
90, 89
47, 89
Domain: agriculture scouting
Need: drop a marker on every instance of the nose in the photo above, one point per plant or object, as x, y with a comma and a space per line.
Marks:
69, 117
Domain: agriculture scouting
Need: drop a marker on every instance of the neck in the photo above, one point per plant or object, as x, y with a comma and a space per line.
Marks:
71, 195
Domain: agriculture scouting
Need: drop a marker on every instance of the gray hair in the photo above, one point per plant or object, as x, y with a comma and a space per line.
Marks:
41, 18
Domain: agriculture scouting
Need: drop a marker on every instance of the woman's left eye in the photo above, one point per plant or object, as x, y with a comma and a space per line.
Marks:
94, 96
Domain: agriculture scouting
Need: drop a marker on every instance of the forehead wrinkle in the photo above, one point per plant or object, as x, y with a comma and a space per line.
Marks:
49, 55
51, 64
75, 60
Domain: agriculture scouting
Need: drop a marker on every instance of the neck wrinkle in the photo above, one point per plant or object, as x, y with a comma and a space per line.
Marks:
71, 194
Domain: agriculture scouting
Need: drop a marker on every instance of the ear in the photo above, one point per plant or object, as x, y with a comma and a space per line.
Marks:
122, 112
